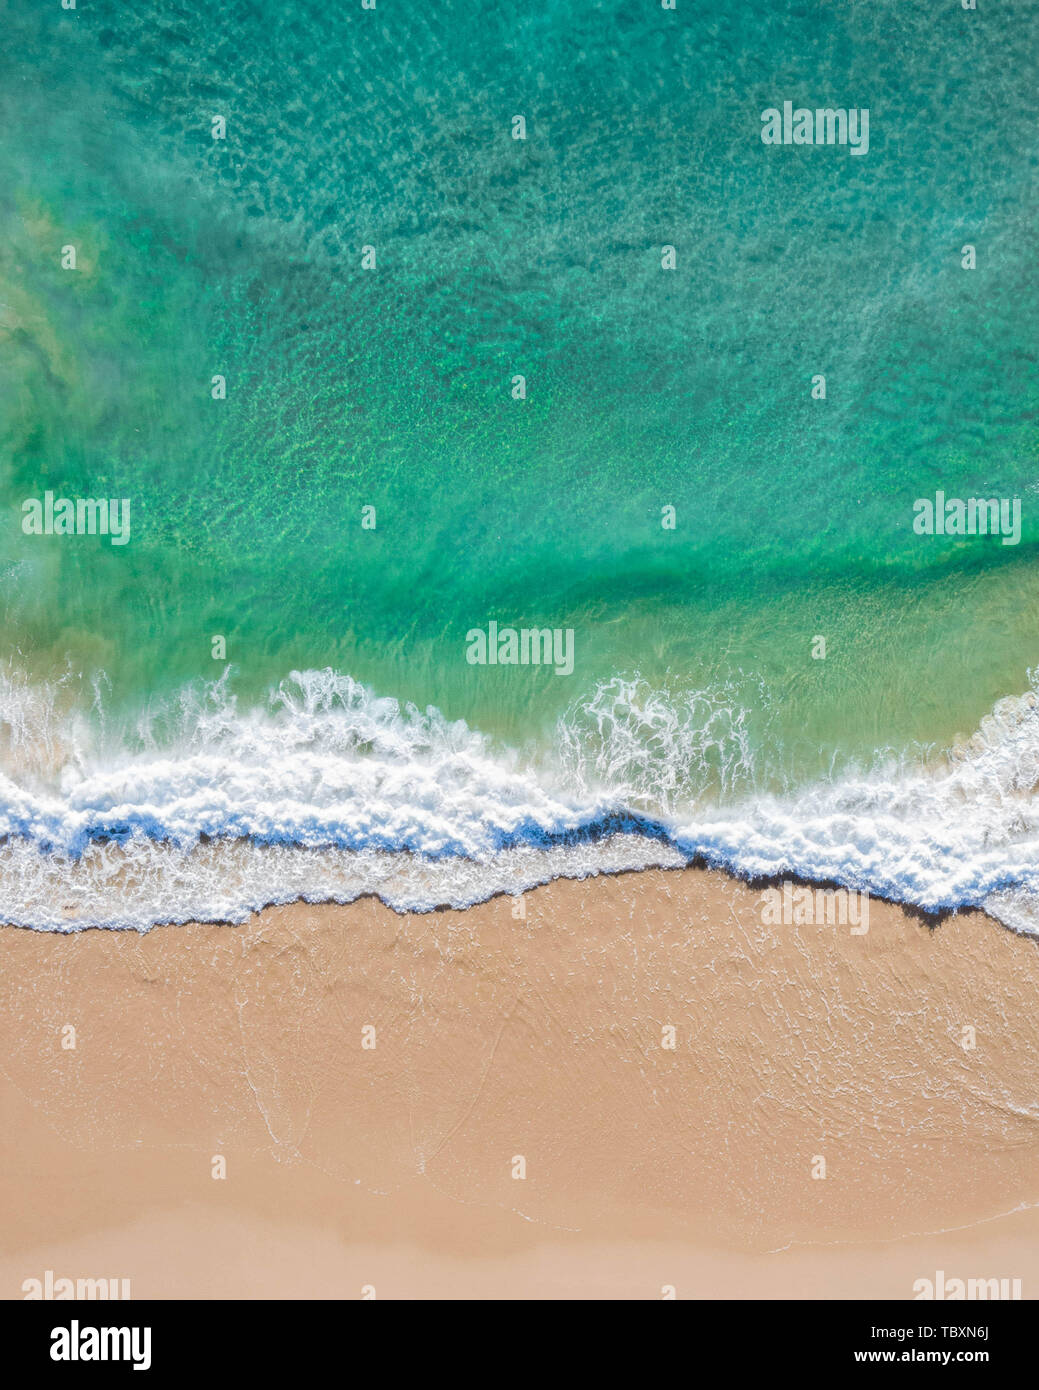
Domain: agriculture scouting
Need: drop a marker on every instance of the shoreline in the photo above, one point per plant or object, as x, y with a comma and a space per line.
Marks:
698, 863
145, 842
543, 1037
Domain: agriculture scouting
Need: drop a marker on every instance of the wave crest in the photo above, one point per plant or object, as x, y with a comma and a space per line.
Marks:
203, 810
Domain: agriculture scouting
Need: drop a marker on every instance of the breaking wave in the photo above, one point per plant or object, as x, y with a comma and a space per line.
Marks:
204, 811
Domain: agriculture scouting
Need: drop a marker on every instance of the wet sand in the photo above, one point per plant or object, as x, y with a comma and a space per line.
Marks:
797, 1050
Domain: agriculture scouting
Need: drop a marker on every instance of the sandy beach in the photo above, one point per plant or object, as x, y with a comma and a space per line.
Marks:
825, 1124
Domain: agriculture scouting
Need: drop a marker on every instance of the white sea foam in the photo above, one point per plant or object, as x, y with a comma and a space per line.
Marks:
205, 811
143, 883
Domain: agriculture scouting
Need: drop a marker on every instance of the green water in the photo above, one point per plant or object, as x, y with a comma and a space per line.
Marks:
646, 388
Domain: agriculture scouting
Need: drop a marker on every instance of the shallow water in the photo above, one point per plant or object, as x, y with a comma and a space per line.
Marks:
695, 701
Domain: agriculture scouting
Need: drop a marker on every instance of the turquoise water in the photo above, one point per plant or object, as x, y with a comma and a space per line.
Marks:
694, 685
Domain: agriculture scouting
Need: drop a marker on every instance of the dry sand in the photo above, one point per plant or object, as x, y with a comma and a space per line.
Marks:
498, 1038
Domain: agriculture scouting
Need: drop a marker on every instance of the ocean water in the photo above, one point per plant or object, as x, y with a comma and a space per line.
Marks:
257, 698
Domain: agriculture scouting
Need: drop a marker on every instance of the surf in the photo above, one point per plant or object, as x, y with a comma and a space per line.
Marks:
328, 791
